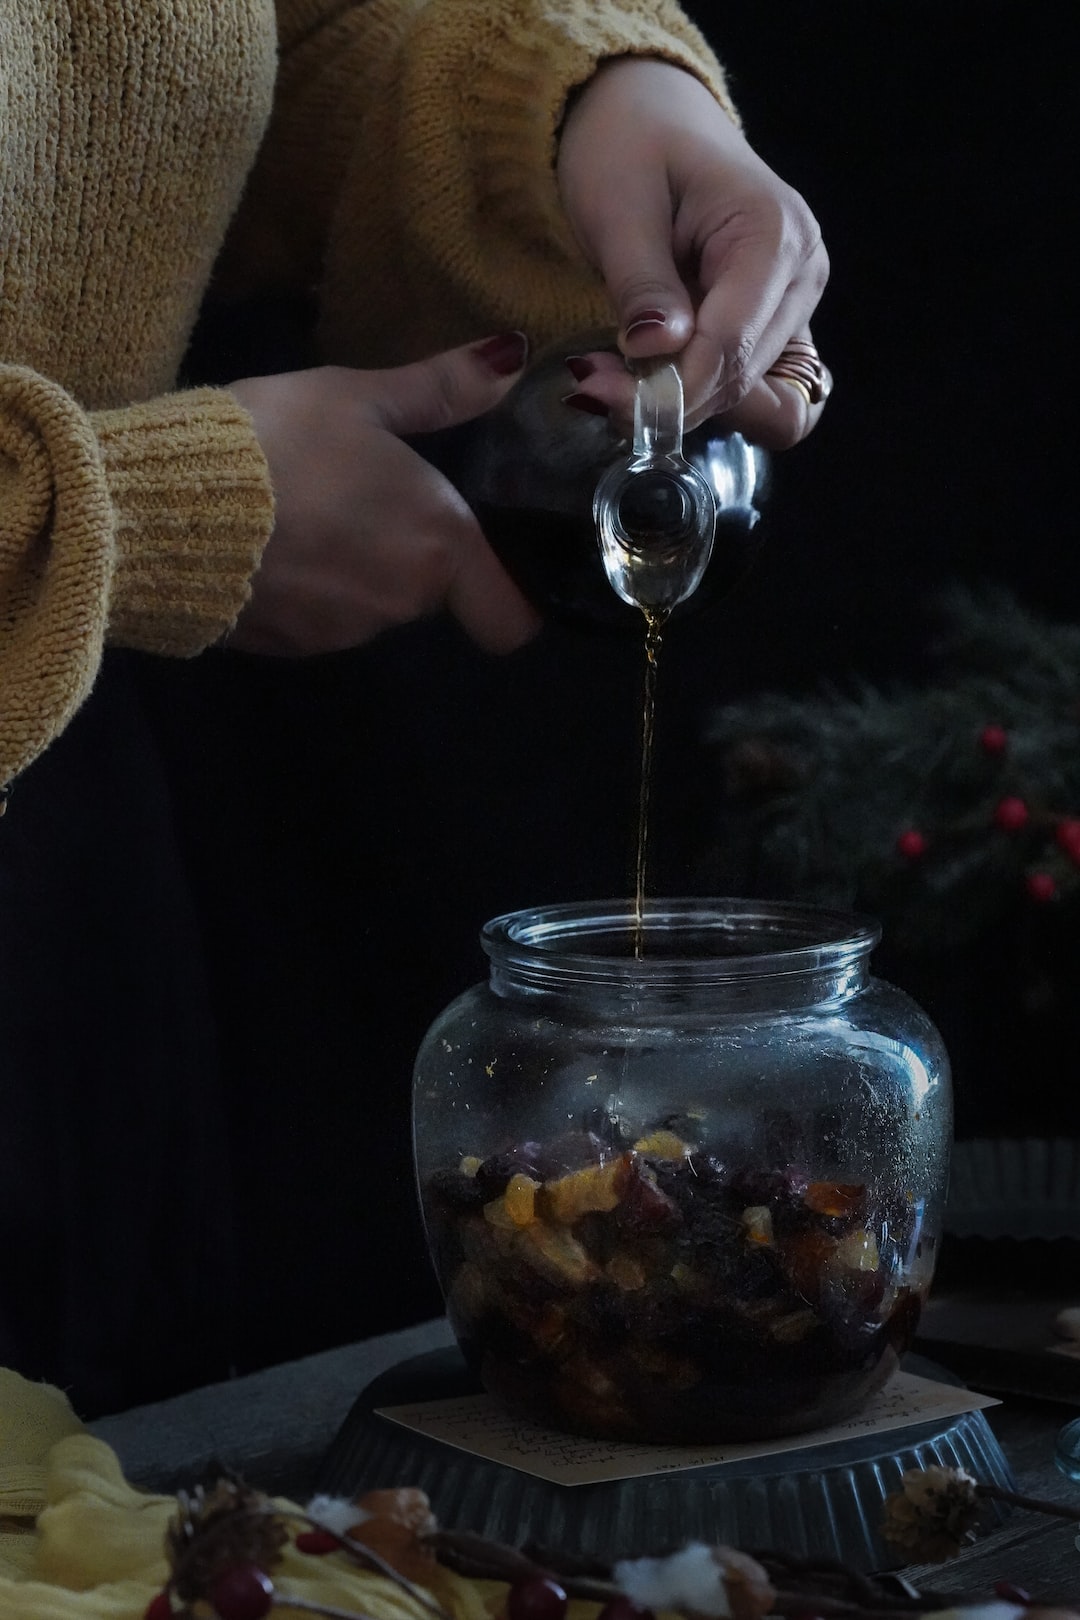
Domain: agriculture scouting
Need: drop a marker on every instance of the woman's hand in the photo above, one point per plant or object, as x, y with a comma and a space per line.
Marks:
366, 534
706, 253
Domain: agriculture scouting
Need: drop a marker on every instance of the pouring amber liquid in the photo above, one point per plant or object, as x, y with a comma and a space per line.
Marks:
655, 521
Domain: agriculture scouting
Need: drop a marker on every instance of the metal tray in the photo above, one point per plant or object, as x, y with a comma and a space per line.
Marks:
823, 1502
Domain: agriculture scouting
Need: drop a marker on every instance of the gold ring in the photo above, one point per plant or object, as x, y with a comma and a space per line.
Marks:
792, 382
800, 364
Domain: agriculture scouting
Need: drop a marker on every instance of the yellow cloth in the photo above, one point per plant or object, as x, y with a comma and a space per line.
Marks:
77, 1542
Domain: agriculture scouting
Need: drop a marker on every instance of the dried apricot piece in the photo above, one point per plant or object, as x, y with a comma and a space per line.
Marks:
756, 1222
663, 1145
555, 1255
520, 1199
396, 1519
858, 1251
597, 1188
834, 1198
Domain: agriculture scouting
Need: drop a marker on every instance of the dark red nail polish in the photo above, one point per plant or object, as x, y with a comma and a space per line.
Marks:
580, 366
648, 317
504, 354
585, 402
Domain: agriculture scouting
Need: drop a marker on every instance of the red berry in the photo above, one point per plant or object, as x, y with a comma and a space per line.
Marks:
244, 1592
317, 1541
539, 1598
993, 739
911, 844
159, 1608
1011, 814
1014, 1594
1067, 837
624, 1608
1040, 886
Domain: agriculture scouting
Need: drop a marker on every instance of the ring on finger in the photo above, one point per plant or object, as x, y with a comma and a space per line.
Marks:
800, 364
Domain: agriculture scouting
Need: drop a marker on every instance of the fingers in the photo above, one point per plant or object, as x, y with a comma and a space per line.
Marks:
705, 252
777, 414
483, 598
759, 291
654, 310
779, 410
367, 534
439, 392
447, 389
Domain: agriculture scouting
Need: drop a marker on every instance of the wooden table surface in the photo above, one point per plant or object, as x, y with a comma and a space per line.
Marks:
275, 1427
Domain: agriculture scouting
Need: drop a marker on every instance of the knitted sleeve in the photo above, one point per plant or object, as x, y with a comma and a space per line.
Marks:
408, 174
141, 526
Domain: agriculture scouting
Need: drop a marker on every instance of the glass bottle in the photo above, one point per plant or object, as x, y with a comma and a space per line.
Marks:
530, 470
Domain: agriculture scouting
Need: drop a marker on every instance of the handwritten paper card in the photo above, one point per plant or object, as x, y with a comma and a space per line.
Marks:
479, 1425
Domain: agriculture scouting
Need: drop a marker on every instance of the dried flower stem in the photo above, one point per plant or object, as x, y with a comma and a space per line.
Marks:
1033, 1504
832, 1588
310, 1606
469, 1554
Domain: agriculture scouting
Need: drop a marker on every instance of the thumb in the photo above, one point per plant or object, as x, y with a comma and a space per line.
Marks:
450, 387
653, 307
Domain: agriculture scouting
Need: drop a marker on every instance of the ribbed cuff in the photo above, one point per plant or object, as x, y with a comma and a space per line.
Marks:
193, 508
55, 563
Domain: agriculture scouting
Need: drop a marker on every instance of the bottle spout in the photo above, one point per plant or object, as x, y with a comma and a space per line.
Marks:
655, 514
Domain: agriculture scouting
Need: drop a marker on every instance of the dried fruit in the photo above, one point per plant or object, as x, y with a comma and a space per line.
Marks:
244, 1592
317, 1542
541, 1598
647, 1294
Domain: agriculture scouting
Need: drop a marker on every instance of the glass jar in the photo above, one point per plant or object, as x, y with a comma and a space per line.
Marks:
682, 1183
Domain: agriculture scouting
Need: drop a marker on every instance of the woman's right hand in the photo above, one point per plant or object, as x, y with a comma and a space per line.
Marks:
367, 535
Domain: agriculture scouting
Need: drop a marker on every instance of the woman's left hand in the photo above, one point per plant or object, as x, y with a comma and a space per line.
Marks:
706, 253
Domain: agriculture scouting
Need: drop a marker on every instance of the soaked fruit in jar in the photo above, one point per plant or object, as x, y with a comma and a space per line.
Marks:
651, 1288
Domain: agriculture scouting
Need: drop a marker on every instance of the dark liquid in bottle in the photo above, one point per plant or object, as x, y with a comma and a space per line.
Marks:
555, 559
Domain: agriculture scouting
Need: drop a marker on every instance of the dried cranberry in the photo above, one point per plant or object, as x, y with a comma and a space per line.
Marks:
317, 1541
159, 1608
645, 1207
244, 1592
539, 1598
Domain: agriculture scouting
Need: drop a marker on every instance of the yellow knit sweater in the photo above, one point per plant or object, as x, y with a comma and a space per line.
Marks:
394, 156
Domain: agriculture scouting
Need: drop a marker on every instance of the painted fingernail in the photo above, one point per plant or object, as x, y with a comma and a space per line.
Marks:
585, 402
648, 317
504, 354
580, 366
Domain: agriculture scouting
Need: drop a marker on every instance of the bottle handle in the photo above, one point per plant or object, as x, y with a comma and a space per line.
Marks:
655, 515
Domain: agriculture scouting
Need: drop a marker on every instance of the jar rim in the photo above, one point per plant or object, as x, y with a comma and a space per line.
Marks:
759, 939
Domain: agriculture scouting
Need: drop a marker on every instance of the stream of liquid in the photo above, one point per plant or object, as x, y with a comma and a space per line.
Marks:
655, 621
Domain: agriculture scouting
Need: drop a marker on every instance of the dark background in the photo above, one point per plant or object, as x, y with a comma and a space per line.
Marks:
350, 822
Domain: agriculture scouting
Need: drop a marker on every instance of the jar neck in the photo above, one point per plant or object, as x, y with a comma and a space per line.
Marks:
722, 957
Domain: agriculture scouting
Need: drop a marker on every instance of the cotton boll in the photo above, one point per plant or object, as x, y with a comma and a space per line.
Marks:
335, 1513
690, 1579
